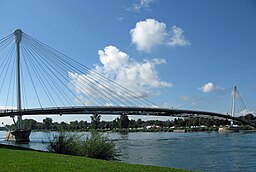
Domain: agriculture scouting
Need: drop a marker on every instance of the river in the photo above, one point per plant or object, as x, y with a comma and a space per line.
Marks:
205, 151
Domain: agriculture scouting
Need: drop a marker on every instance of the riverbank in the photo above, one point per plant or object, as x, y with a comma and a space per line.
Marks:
14, 159
160, 129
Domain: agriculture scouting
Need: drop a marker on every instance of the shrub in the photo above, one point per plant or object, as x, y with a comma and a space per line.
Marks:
94, 146
98, 146
64, 144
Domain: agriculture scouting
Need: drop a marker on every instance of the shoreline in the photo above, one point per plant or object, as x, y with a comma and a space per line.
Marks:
131, 130
35, 160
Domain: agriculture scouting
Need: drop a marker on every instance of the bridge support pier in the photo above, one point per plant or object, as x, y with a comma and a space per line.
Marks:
19, 136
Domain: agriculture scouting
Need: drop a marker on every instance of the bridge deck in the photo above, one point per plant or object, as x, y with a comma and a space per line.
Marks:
117, 110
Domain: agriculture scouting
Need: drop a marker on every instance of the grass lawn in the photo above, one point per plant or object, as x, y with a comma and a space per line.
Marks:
12, 159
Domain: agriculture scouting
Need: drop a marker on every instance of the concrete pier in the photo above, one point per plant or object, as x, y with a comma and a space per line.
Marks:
21, 136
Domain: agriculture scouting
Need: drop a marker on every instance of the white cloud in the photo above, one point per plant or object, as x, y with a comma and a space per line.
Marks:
112, 58
209, 87
141, 77
150, 33
141, 4
132, 74
177, 37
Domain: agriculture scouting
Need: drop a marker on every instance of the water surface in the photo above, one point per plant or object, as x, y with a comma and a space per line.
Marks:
206, 151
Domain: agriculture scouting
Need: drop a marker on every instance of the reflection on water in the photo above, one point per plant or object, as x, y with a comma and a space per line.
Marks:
196, 151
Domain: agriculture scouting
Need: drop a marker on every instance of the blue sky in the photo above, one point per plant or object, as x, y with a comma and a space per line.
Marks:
193, 47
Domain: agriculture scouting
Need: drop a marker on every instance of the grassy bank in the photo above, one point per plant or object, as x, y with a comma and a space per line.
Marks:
13, 159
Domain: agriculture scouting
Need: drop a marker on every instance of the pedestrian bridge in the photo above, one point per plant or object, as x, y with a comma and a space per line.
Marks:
32, 74
112, 110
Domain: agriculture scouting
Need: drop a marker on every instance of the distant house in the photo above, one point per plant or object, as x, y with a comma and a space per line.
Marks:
152, 127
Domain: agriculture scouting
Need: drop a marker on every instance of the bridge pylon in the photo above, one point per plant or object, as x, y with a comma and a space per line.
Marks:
231, 128
19, 134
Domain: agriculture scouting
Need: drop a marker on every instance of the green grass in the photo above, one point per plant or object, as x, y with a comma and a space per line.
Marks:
12, 159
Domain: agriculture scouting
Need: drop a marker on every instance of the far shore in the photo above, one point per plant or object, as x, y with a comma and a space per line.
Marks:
153, 129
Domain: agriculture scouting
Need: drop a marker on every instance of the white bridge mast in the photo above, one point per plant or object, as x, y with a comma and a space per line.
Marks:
234, 92
18, 36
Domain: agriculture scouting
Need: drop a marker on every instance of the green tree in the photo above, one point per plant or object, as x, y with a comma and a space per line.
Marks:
195, 122
55, 126
47, 123
29, 124
249, 117
95, 121
139, 122
83, 125
74, 125
63, 126
133, 124
114, 124
124, 121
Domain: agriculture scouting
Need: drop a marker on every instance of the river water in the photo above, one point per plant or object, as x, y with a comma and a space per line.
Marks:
205, 151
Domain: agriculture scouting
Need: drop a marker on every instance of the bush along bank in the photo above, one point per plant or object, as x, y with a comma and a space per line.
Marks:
95, 145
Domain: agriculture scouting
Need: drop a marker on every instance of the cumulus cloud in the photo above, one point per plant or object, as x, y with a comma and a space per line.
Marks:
148, 34
151, 33
128, 72
177, 37
140, 77
209, 87
112, 58
141, 4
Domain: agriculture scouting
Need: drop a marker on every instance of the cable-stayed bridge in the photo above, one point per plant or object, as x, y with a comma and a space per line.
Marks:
39, 80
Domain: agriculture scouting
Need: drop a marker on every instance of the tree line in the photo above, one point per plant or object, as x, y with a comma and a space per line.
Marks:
123, 122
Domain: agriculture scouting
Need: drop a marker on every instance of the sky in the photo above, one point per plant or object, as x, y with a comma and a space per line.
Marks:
176, 51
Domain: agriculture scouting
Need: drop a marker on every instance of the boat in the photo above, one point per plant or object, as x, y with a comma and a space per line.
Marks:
229, 129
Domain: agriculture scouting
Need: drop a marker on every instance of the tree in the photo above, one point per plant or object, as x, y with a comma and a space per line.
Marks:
139, 122
114, 123
83, 125
133, 124
249, 117
95, 121
74, 125
124, 121
195, 122
29, 124
47, 123
178, 122
63, 125
55, 126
